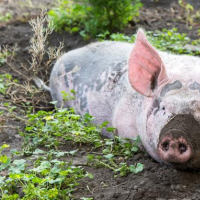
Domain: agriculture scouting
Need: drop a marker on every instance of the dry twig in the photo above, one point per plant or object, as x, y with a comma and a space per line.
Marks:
27, 94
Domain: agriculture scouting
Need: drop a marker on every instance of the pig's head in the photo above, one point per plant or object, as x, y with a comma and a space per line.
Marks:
169, 103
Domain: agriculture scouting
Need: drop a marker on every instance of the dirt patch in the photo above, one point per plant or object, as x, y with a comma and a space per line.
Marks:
156, 181
163, 14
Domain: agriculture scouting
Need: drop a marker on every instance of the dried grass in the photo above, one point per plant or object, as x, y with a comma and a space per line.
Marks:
42, 58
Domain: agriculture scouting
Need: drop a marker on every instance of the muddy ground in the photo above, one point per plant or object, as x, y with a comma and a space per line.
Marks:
156, 181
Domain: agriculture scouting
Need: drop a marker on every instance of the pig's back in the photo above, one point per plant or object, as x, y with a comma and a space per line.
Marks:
95, 59
89, 68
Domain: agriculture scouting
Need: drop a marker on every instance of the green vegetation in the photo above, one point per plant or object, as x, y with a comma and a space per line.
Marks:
165, 40
92, 17
48, 179
6, 17
52, 129
49, 173
5, 80
3, 56
169, 40
190, 13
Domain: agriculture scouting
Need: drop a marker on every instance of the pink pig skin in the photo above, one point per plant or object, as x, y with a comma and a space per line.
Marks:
140, 91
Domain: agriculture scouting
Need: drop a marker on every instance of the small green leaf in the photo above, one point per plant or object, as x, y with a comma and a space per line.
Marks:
4, 165
110, 129
108, 156
38, 151
104, 124
4, 146
134, 149
2, 178
3, 159
139, 167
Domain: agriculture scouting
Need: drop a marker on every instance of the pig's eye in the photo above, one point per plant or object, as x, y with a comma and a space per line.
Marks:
163, 108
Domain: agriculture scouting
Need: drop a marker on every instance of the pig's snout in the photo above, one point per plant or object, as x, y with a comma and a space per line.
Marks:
174, 150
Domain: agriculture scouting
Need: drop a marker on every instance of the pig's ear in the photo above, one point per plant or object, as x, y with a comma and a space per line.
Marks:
145, 67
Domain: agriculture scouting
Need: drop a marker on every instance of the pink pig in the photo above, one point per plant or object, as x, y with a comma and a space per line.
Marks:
140, 91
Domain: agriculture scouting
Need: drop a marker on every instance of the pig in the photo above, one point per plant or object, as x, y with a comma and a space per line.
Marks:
139, 91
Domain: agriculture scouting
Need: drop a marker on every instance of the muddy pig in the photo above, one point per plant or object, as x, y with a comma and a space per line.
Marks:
139, 90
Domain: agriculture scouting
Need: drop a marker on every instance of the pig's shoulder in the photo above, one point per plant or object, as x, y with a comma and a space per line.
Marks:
98, 56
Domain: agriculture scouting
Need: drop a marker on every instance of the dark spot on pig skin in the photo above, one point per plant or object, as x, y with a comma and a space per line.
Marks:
155, 107
69, 67
66, 81
91, 87
99, 86
120, 65
116, 75
86, 90
54, 95
98, 81
156, 103
79, 91
171, 86
58, 73
195, 86
56, 98
83, 103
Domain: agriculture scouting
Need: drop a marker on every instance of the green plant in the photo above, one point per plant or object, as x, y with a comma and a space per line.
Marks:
110, 15
52, 129
190, 13
166, 40
169, 40
115, 153
46, 176
68, 16
67, 96
197, 41
4, 160
3, 55
36, 66
93, 17
47, 179
6, 17
25, 3
5, 81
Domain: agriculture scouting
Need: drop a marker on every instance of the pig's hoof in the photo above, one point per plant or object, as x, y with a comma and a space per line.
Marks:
174, 150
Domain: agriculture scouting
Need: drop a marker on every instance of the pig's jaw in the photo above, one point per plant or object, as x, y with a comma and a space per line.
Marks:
151, 146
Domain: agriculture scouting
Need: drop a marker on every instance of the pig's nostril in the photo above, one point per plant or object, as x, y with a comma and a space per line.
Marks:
174, 149
182, 148
165, 145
